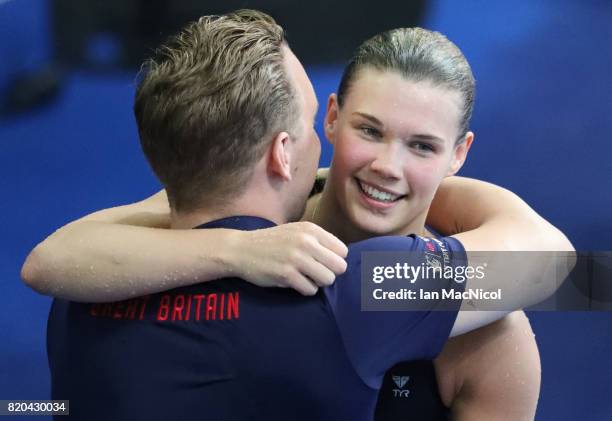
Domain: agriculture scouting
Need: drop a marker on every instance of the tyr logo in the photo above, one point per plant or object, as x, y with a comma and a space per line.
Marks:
400, 382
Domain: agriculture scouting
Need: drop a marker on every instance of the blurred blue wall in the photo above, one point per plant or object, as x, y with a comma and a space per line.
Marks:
542, 129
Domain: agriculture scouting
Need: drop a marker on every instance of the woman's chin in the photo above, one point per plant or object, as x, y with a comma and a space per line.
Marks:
372, 226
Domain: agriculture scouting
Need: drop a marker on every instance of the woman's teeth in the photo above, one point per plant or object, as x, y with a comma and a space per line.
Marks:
377, 194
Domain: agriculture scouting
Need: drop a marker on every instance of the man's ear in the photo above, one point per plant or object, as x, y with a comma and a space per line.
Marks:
460, 154
280, 156
331, 116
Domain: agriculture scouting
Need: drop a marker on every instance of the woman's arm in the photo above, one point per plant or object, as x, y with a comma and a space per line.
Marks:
492, 373
486, 217
526, 256
115, 254
111, 255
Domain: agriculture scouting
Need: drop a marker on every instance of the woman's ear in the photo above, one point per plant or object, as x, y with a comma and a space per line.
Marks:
460, 154
331, 116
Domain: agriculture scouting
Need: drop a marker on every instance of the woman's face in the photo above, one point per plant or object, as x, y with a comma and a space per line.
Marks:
394, 141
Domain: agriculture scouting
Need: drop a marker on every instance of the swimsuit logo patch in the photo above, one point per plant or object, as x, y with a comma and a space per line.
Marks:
400, 382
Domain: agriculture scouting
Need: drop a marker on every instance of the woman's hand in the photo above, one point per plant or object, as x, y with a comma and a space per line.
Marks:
116, 254
299, 255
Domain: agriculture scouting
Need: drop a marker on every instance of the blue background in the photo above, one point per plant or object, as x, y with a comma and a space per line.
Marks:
542, 124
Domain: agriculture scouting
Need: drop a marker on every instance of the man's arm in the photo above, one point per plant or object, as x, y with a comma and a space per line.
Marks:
493, 373
115, 254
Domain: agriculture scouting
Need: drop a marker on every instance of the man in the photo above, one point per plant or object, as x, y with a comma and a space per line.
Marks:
225, 118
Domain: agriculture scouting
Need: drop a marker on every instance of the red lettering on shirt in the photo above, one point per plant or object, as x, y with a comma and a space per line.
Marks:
233, 305
215, 306
211, 306
143, 307
130, 309
118, 311
164, 308
198, 298
177, 308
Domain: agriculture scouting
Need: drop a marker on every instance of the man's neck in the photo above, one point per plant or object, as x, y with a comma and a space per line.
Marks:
193, 219
249, 204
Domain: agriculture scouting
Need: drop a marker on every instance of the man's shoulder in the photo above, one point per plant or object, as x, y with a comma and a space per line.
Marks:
408, 243
386, 243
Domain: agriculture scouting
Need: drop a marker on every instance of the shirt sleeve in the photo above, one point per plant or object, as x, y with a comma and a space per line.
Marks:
377, 340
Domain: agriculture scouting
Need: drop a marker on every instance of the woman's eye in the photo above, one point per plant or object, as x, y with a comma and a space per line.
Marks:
423, 147
370, 131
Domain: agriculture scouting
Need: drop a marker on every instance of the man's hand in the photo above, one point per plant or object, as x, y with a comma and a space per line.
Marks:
299, 255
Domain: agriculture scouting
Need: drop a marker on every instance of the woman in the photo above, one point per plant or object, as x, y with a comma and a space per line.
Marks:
399, 125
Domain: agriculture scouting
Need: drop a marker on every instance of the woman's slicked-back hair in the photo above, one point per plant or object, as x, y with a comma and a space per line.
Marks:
418, 55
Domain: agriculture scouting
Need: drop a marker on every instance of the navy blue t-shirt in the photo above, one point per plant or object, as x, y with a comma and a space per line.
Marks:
228, 350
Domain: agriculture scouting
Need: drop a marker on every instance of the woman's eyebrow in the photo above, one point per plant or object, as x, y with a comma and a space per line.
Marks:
419, 136
427, 137
369, 117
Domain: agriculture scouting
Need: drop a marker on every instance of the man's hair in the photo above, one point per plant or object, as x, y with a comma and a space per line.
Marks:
418, 55
209, 102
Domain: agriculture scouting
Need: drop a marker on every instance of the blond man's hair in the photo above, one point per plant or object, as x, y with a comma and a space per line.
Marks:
209, 103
